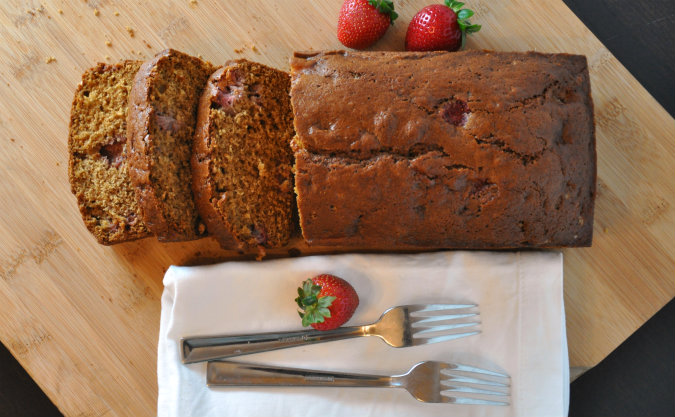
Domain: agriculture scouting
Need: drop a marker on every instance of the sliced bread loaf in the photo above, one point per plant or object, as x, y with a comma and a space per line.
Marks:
162, 115
98, 172
242, 160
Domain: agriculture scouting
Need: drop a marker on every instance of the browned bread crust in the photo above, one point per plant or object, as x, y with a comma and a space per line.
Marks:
162, 115
242, 160
97, 169
475, 149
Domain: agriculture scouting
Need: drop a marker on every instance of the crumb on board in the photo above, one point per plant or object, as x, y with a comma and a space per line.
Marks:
108, 43
60, 11
254, 48
200, 56
193, 2
116, 13
50, 59
107, 57
131, 31
147, 44
12, 139
96, 12
239, 50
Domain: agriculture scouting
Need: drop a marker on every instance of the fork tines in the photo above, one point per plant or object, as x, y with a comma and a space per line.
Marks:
432, 323
462, 384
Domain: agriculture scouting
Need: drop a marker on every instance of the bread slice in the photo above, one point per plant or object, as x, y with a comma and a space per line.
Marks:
242, 160
97, 170
162, 115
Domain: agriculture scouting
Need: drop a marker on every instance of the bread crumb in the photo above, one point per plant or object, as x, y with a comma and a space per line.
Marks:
193, 2
107, 57
12, 139
116, 13
108, 43
58, 164
50, 59
254, 48
96, 12
200, 56
239, 51
131, 31
60, 11
147, 45
604, 229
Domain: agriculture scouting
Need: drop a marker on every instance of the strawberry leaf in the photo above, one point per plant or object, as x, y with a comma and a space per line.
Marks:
464, 14
314, 309
308, 301
326, 301
385, 7
472, 28
454, 5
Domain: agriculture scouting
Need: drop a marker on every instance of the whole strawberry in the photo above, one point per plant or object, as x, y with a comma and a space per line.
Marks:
362, 22
326, 301
440, 28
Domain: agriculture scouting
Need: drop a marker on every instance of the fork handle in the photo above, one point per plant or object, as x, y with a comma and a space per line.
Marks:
226, 373
203, 348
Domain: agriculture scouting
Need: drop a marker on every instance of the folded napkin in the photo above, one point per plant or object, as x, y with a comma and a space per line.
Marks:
523, 332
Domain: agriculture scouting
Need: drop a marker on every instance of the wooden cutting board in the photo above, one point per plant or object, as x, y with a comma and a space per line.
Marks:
83, 318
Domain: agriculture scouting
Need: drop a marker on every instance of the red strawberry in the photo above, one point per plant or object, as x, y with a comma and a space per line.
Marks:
362, 22
327, 302
440, 28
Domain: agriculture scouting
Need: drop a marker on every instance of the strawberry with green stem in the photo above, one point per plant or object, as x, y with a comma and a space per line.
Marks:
440, 28
326, 302
362, 22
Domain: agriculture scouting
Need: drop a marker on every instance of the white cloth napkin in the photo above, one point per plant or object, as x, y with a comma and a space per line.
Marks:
523, 331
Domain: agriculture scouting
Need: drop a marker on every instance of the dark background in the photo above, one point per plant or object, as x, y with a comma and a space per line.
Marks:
638, 378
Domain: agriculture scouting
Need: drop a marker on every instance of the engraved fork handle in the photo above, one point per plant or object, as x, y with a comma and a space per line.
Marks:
225, 373
203, 348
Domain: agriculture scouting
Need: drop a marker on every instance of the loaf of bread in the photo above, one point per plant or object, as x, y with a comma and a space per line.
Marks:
160, 128
242, 160
475, 149
98, 172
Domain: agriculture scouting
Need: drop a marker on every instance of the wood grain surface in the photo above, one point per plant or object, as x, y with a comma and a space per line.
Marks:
83, 318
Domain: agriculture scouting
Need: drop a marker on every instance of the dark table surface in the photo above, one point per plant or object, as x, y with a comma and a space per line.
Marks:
638, 378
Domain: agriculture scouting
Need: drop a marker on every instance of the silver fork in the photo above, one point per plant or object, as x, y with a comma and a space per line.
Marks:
402, 326
429, 381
